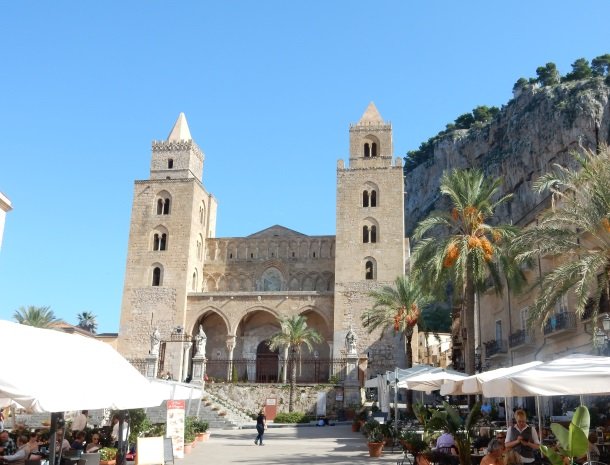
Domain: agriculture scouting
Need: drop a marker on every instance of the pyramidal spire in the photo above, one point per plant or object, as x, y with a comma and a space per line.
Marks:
180, 131
371, 115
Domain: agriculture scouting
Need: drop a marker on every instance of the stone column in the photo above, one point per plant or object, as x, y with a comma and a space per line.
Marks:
351, 383
185, 360
230, 349
152, 366
331, 368
285, 367
199, 362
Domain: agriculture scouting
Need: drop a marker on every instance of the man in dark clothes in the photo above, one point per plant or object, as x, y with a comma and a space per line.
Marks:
261, 425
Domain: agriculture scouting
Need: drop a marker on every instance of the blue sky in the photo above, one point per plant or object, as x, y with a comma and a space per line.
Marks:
269, 89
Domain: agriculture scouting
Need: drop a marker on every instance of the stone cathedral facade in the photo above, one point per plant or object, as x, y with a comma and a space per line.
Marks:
180, 277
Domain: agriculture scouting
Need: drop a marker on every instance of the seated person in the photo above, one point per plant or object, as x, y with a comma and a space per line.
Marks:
495, 452
61, 443
19, 457
481, 442
445, 443
94, 445
7, 445
33, 445
512, 458
79, 441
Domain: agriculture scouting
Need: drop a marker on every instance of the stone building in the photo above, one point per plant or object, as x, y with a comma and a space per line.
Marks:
181, 281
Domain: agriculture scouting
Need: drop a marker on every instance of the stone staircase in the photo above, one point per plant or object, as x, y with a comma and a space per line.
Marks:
234, 415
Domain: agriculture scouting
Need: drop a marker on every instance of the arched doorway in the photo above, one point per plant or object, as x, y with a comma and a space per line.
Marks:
267, 364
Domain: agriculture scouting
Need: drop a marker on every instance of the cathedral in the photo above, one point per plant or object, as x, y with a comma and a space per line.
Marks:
181, 280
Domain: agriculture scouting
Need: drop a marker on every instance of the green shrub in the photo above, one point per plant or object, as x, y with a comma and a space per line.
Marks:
292, 417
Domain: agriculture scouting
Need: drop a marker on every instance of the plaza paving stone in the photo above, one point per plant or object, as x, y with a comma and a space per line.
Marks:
286, 445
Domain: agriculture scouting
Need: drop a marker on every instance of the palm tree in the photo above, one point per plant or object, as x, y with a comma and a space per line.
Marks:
398, 307
293, 335
87, 321
461, 248
40, 317
577, 229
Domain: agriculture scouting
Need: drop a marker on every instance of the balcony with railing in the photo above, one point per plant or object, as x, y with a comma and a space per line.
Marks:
521, 339
559, 324
495, 349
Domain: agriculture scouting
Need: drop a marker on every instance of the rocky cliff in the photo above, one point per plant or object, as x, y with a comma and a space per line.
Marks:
536, 129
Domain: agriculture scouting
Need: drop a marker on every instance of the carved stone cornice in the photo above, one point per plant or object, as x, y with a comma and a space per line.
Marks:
177, 146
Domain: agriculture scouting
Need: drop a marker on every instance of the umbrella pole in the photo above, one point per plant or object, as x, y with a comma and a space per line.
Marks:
123, 441
56, 422
539, 418
395, 402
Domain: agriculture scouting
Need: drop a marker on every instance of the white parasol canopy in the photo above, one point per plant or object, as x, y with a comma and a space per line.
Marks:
474, 384
576, 374
430, 380
53, 371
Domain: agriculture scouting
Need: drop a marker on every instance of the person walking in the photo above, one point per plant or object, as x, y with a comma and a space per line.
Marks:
261, 426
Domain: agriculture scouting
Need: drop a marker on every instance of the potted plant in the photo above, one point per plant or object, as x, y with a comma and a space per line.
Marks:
412, 442
356, 424
375, 440
108, 455
462, 430
200, 427
573, 442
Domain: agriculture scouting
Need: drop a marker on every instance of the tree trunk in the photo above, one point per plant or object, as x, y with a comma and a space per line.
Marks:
293, 381
409, 353
468, 313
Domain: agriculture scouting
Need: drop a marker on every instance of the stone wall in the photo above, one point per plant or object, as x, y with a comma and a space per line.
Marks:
252, 397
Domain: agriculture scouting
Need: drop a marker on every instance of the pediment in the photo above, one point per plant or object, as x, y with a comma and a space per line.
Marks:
276, 231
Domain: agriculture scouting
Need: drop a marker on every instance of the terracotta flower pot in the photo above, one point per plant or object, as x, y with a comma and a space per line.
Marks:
188, 448
355, 427
375, 449
107, 462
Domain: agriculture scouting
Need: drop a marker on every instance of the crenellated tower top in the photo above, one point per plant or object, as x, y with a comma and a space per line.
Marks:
370, 141
179, 156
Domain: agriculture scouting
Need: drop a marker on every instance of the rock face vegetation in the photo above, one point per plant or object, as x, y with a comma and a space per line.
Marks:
549, 117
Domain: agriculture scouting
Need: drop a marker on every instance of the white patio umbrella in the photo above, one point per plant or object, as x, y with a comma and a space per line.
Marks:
430, 380
474, 384
576, 374
53, 371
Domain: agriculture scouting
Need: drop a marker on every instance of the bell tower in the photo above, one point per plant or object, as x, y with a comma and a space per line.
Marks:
370, 241
172, 216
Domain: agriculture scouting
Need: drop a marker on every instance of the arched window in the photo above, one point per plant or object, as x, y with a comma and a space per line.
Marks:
365, 198
170, 163
365, 234
201, 212
367, 150
374, 150
373, 234
156, 277
160, 241
163, 206
369, 270
373, 198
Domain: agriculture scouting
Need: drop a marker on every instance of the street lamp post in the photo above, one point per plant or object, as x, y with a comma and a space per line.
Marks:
600, 336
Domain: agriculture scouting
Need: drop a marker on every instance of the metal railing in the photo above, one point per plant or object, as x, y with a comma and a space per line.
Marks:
271, 370
519, 338
560, 322
495, 347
